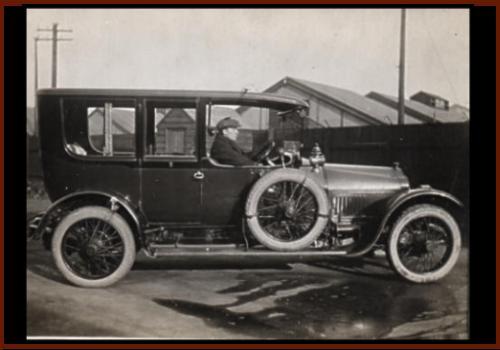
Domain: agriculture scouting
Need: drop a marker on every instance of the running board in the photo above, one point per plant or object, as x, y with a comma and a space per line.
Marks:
156, 250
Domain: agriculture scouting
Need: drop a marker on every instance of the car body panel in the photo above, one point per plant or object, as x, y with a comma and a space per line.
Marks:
224, 191
170, 195
163, 188
346, 178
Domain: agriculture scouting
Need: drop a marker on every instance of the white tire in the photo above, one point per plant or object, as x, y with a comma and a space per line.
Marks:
424, 243
299, 216
93, 247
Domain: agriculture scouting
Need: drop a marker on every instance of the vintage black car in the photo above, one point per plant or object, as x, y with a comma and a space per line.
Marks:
131, 169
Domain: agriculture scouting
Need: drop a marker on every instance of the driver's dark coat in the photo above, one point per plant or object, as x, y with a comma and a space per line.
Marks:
227, 151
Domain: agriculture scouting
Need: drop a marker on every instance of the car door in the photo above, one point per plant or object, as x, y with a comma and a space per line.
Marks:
171, 184
224, 187
224, 192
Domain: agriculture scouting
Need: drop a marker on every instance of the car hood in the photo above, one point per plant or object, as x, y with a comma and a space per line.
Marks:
362, 178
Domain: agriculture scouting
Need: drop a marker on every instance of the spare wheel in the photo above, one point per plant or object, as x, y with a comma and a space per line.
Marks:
287, 210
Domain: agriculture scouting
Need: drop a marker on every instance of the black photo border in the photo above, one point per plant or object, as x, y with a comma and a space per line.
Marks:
483, 167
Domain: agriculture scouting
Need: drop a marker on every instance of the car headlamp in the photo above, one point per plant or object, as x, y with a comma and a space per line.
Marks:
316, 158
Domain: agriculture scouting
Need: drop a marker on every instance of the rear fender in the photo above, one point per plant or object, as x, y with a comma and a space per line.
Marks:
74, 200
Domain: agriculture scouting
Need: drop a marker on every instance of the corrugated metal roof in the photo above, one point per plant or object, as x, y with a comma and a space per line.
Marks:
422, 111
359, 102
428, 94
375, 112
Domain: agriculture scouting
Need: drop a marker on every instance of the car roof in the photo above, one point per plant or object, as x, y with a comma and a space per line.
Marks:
241, 96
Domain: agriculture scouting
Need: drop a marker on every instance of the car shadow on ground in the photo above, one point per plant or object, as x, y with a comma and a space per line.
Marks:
315, 306
356, 266
207, 263
40, 262
363, 267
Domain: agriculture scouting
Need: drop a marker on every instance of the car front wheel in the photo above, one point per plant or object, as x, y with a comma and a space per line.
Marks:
424, 243
93, 247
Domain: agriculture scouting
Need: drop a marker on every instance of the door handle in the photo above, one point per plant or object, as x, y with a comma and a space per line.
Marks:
199, 175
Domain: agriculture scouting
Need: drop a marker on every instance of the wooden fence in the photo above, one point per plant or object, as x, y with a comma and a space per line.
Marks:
434, 154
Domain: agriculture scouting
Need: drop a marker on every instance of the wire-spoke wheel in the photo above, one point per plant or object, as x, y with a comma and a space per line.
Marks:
424, 243
93, 247
287, 210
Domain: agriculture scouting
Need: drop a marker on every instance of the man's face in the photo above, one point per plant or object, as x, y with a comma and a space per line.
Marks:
231, 133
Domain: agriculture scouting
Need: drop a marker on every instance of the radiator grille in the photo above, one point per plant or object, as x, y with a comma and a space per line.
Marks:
353, 204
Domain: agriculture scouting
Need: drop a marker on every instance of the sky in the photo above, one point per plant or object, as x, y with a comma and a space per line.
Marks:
235, 49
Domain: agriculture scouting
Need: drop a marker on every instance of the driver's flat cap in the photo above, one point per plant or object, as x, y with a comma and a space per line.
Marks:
227, 123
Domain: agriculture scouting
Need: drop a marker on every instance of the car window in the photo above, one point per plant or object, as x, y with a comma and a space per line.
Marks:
100, 127
171, 130
254, 123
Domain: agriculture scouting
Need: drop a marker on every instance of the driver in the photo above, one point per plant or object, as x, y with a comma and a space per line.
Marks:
225, 150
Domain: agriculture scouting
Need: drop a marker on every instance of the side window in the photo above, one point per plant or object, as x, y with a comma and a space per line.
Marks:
100, 127
171, 130
254, 123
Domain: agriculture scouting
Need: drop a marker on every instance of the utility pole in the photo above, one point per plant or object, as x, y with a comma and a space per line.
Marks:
401, 104
54, 40
35, 112
36, 65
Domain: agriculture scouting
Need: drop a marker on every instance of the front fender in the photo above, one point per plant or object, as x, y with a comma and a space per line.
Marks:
423, 194
112, 199
423, 191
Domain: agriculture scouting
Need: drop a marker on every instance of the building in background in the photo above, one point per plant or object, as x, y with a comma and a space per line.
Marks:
175, 131
331, 107
431, 100
334, 107
427, 108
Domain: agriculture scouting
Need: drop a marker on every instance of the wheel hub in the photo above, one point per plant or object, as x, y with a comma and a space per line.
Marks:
91, 250
420, 249
290, 209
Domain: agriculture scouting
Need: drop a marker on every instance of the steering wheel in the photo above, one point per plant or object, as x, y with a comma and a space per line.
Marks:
284, 158
264, 151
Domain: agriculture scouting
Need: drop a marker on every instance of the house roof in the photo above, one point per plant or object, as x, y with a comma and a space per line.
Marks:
160, 115
427, 94
460, 109
364, 108
123, 121
421, 111
218, 113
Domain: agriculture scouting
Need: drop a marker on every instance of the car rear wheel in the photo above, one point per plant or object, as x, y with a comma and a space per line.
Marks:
93, 247
424, 243
287, 210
